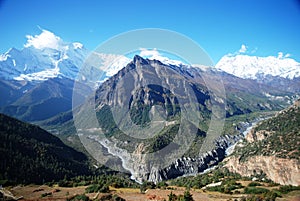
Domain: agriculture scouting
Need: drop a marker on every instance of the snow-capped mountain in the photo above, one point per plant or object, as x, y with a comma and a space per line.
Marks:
41, 75
253, 67
111, 63
44, 56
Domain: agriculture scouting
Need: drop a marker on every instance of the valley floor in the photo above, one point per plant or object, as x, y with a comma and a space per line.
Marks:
34, 192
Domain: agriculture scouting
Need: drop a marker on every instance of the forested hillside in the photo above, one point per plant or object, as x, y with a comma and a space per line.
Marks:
31, 154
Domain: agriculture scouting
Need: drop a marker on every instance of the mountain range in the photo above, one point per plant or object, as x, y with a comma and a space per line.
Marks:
47, 56
50, 67
38, 83
258, 68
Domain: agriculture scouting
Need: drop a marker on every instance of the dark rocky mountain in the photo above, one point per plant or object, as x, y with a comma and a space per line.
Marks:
30, 154
154, 119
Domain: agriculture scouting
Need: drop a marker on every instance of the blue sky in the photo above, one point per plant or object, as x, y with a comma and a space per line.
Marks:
265, 27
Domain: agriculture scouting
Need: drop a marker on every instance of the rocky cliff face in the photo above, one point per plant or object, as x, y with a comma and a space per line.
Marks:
272, 148
253, 136
279, 170
191, 166
142, 170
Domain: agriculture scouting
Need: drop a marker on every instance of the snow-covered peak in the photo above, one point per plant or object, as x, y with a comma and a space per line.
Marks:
3, 57
77, 45
155, 54
6, 55
44, 56
254, 67
112, 63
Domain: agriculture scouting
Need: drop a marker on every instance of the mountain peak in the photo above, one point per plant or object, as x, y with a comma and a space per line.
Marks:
254, 67
77, 45
44, 56
140, 60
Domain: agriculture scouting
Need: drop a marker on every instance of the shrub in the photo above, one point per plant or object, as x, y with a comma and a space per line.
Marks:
172, 197
94, 188
162, 185
111, 197
187, 196
46, 194
254, 184
65, 183
287, 189
254, 190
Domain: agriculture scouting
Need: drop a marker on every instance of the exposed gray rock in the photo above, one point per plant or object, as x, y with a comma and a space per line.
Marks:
190, 166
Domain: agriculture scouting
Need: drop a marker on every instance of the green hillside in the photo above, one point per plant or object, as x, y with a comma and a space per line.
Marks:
31, 154
281, 136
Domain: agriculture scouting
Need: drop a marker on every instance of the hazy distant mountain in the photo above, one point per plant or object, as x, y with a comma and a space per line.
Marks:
279, 72
43, 100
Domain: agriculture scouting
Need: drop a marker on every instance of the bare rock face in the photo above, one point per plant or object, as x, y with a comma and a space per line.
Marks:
191, 166
279, 170
253, 136
297, 104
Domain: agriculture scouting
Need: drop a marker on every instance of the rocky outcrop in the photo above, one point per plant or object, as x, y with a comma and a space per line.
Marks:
191, 166
279, 170
142, 170
253, 136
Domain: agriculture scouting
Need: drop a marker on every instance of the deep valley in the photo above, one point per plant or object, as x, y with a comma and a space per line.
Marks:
145, 129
